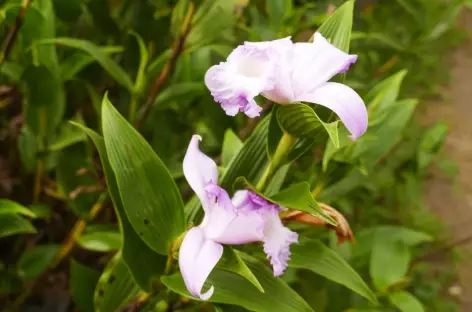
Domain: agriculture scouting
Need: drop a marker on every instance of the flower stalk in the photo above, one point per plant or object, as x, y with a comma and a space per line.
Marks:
283, 148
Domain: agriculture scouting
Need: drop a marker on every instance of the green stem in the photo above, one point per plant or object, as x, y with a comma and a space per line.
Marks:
283, 148
132, 109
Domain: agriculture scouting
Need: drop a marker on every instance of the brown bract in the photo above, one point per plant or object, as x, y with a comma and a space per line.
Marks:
343, 230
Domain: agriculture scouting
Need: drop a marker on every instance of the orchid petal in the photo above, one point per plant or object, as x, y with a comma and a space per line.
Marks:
248, 226
277, 241
249, 70
199, 170
316, 63
221, 213
197, 258
345, 102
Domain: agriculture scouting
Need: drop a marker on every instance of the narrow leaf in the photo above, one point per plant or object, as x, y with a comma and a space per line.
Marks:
232, 262
93, 50
337, 28
10, 207
301, 121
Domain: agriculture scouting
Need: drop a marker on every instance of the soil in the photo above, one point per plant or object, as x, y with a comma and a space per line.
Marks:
451, 200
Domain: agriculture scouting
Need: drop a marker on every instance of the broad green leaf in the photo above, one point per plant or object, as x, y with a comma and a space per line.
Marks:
389, 262
10, 207
27, 146
386, 134
178, 91
144, 264
41, 211
15, 224
337, 28
301, 121
214, 19
406, 302
68, 135
36, 260
315, 256
380, 99
231, 147
10, 282
93, 50
366, 238
277, 10
48, 55
231, 288
232, 262
274, 185
298, 197
251, 160
82, 284
103, 241
150, 197
11, 70
72, 65
430, 144
115, 287
45, 100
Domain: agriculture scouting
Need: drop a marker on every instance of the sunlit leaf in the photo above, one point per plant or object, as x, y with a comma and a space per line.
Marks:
406, 302
103, 241
8, 207
337, 28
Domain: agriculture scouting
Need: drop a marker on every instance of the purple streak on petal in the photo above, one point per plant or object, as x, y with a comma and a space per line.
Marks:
250, 69
222, 211
352, 59
199, 170
345, 102
277, 241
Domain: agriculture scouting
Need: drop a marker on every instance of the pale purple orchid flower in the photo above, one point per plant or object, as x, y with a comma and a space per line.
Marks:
245, 218
286, 72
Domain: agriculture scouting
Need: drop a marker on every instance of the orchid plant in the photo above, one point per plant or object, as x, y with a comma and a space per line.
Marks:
278, 71
286, 74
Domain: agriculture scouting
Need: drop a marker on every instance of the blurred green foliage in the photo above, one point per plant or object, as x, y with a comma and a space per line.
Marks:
151, 57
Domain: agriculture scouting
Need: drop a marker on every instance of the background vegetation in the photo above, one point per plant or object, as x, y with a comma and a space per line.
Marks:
58, 228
